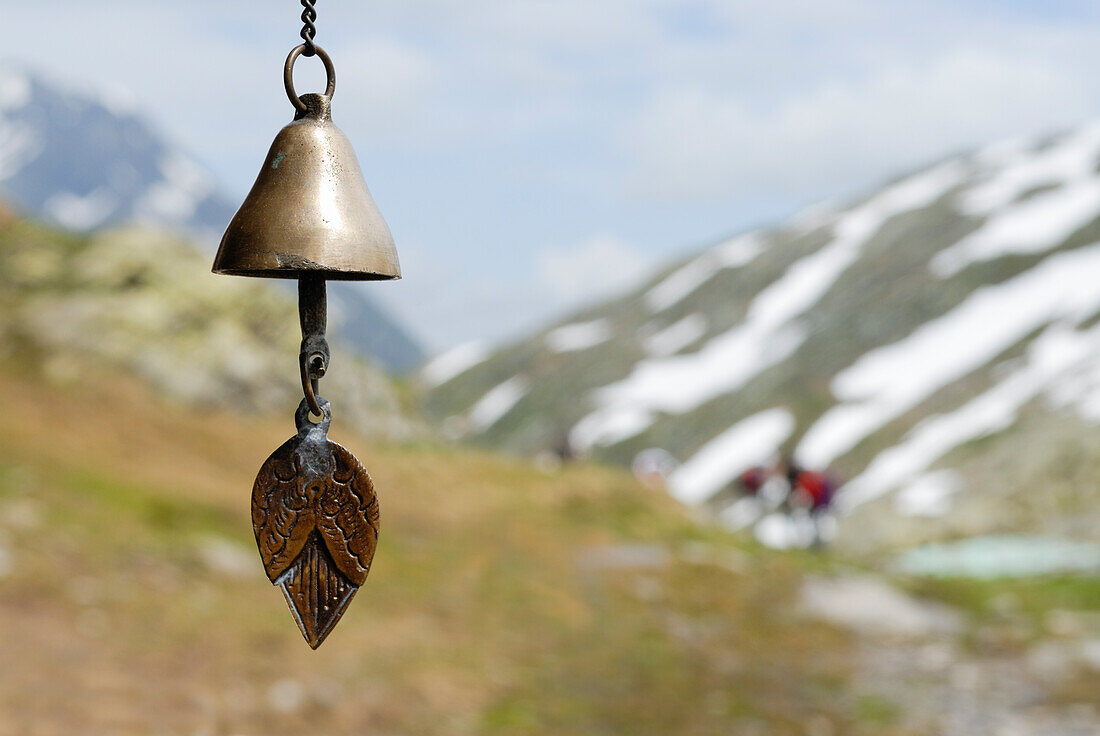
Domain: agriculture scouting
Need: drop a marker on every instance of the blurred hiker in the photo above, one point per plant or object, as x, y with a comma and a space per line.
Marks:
789, 471
563, 449
813, 491
752, 480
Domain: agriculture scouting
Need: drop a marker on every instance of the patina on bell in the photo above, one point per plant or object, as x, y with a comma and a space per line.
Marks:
310, 217
309, 211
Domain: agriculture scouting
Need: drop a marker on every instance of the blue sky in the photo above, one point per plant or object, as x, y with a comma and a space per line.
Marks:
532, 155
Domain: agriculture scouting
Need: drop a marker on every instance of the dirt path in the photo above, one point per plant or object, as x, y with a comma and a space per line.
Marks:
951, 677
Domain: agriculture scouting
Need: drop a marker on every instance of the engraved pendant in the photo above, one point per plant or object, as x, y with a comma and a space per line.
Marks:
316, 521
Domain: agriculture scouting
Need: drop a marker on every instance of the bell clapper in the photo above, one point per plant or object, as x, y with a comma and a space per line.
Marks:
310, 217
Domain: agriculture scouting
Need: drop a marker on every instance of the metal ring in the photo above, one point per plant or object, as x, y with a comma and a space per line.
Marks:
302, 415
288, 75
309, 387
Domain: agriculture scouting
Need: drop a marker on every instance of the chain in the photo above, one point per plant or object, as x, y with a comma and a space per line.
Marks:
309, 30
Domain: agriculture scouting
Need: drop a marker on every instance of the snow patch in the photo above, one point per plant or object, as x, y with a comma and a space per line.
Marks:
579, 336
929, 494
769, 333
888, 381
1079, 389
1067, 168
676, 336
1058, 349
81, 213
492, 407
453, 363
813, 217
739, 251
720, 460
1033, 226
685, 280
1020, 170
679, 284
609, 426
178, 194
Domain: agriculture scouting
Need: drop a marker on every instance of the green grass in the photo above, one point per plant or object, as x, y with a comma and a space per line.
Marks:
489, 608
1030, 599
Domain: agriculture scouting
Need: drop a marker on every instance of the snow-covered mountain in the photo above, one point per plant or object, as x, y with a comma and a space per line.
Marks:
948, 318
85, 162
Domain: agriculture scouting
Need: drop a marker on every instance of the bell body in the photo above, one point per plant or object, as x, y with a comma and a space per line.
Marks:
309, 212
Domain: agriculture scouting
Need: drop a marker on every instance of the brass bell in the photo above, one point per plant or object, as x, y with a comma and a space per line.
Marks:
309, 212
310, 217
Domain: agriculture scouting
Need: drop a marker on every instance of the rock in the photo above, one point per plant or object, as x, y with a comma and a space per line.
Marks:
146, 302
229, 559
1089, 654
624, 557
286, 696
871, 606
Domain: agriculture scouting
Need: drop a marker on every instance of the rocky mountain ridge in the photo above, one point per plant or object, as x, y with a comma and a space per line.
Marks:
145, 302
85, 162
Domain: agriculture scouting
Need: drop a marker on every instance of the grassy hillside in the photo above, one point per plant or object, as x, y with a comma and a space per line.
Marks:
141, 394
502, 600
145, 302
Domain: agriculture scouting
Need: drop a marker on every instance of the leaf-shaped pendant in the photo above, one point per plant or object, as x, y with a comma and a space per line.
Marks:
316, 521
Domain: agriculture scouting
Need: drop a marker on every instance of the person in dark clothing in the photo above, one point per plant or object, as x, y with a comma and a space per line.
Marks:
752, 480
813, 491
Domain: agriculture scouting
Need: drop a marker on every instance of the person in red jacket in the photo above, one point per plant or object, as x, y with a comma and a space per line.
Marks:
814, 491
816, 488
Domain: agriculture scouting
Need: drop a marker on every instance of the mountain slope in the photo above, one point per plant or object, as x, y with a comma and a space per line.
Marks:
502, 600
878, 338
85, 163
145, 302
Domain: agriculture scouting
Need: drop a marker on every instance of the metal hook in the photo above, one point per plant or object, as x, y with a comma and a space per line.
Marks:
314, 355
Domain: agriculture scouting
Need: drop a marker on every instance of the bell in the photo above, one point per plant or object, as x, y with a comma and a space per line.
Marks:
309, 212
310, 217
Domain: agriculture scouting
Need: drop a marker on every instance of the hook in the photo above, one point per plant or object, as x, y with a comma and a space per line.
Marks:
314, 356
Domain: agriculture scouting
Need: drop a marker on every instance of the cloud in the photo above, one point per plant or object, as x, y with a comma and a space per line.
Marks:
812, 106
488, 129
697, 141
450, 306
600, 265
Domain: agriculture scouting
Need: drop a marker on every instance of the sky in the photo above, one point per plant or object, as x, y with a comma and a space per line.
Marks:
532, 156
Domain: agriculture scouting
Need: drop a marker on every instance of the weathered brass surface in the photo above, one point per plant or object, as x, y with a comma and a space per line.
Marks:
316, 521
313, 357
310, 217
309, 210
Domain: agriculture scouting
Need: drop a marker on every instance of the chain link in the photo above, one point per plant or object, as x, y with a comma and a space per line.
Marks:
309, 30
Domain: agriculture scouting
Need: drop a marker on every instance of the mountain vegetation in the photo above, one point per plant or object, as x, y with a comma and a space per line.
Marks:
901, 340
86, 162
144, 302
